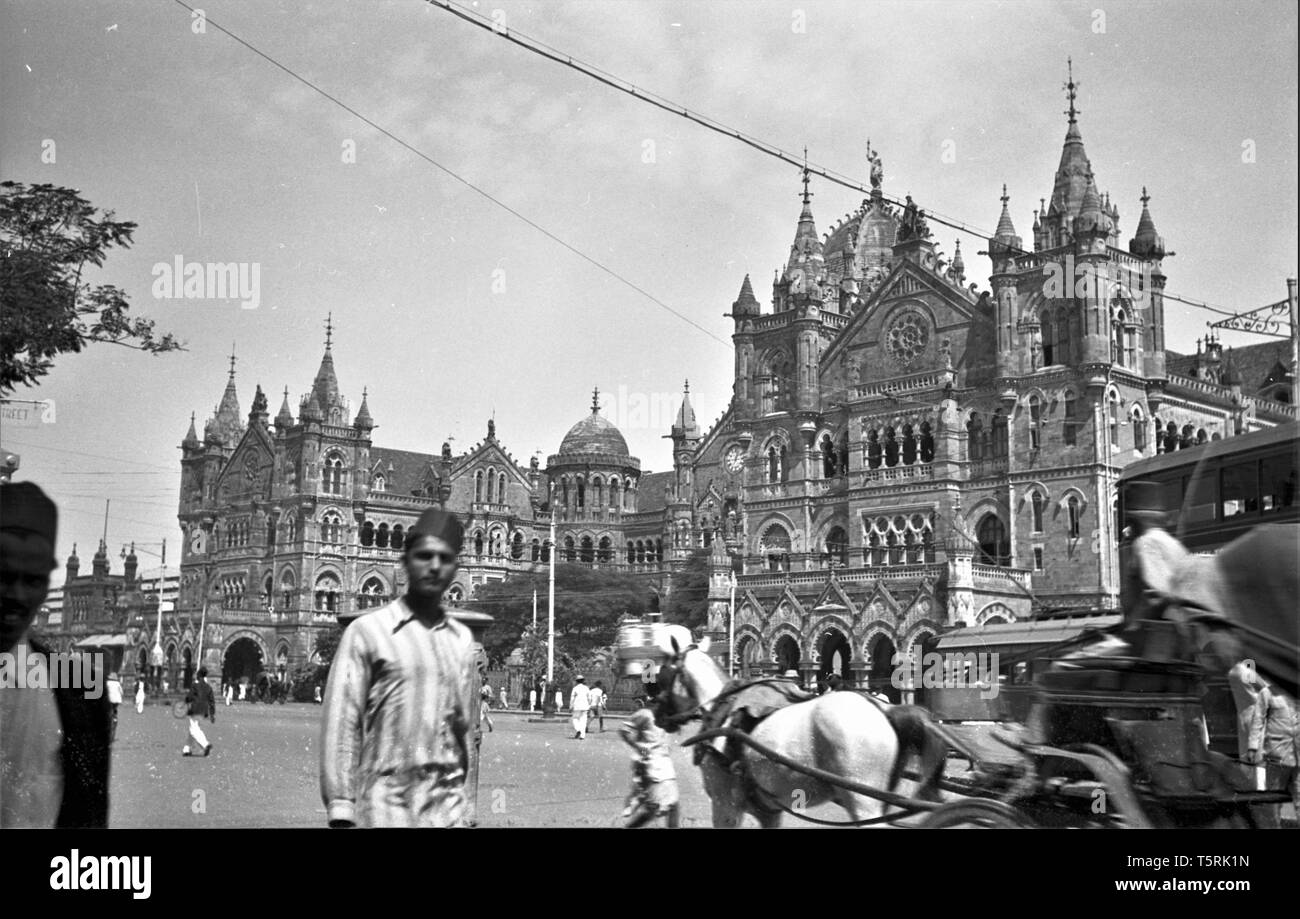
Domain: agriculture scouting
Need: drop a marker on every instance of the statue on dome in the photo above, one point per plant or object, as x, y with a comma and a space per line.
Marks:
877, 170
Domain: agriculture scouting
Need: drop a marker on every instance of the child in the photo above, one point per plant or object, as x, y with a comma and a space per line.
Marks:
654, 786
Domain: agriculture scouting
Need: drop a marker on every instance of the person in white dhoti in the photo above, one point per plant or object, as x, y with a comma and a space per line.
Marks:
139, 696
579, 704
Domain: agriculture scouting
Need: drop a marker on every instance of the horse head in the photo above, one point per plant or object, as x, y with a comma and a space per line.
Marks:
688, 681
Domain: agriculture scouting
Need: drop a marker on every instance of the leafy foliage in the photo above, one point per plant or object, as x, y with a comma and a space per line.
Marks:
688, 604
48, 235
589, 602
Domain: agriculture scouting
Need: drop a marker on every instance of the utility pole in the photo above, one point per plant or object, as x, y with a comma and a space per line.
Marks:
731, 630
550, 612
1295, 339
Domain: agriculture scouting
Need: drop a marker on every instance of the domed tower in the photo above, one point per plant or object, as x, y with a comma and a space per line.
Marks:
593, 478
1149, 246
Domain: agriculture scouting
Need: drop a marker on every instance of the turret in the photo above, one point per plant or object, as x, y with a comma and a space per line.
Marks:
191, 441
284, 417
258, 415
99, 564
74, 564
132, 565
1004, 244
743, 312
364, 423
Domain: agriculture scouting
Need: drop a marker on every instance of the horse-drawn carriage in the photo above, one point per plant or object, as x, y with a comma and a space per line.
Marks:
1116, 735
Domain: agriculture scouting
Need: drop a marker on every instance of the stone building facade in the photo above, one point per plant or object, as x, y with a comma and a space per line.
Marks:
903, 453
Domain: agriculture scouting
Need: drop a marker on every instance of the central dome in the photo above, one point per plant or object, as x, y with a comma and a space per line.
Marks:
594, 434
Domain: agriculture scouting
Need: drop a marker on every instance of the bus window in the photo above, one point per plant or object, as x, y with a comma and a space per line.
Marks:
1278, 477
1240, 492
1200, 499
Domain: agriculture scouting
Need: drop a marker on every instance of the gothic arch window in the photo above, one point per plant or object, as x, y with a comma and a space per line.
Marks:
570, 552
1036, 503
1139, 430
379, 483
491, 482
1035, 423
501, 488
659, 550
631, 552
397, 539
828, 457
478, 486
613, 493
1112, 418
455, 594
640, 552
891, 447
773, 466
331, 529
372, 594
1074, 513
478, 542
1048, 332
368, 534
327, 593
775, 544
381, 536
537, 550
1070, 426
606, 551
873, 450
497, 538
287, 587
995, 547
517, 546
999, 435
837, 546
332, 474
927, 442
582, 493
909, 446
975, 437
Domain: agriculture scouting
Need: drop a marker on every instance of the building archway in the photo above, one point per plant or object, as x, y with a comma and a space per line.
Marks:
881, 651
835, 653
243, 659
747, 654
786, 653
187, 660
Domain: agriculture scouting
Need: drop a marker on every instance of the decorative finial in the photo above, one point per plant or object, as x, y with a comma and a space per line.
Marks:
595, 401
365, 391
329, 329
1145, 197
1005, 197
232, 360
806, 193
1070, 88
686, 386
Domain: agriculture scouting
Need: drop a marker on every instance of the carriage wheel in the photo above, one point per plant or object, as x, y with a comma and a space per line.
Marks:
978, 814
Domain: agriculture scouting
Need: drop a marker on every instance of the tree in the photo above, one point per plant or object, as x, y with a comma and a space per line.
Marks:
589, 602
688, 604
48, 235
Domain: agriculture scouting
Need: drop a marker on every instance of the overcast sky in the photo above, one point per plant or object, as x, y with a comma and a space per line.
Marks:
219, 156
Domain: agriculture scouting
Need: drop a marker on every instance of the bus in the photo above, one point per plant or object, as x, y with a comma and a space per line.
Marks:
1217, 491
1214, 493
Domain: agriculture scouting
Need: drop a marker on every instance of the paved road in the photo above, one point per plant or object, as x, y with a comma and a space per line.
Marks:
264, 771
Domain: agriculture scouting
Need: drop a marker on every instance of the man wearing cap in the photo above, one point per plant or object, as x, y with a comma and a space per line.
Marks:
54, 745
394, 746
579, 705
1153, 554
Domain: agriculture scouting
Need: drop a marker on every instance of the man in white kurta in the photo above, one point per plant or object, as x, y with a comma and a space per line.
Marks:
579, 704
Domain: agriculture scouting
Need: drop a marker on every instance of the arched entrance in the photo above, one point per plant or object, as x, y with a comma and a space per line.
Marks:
747, 653
881, 652
187, 656
923, 644
787, 654
835, 653
243, 660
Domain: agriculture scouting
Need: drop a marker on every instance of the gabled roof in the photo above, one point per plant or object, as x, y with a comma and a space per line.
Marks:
652, 491
403, 470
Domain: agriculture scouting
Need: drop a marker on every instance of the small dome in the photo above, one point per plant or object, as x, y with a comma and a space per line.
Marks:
594, 434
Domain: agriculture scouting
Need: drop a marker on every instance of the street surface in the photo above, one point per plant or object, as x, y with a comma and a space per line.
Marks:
264, 772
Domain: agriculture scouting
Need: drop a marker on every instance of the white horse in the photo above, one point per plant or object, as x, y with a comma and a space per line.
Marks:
841, 733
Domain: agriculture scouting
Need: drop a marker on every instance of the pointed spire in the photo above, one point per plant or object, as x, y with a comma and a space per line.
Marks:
1091, 217
806, 252
1004, 238
329, 329
1074, 172
364, 420
284, 417
746, 304
685, 425
325, 388
958, 265
191, 436
1146, 242
595, 401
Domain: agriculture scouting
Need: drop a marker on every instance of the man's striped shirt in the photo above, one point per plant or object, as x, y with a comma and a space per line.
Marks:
396, 712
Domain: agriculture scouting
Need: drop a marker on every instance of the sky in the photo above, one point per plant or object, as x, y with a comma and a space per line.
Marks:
449, 310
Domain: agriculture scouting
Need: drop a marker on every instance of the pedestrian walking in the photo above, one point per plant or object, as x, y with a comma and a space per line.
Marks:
579, 705
229, 693
559, 700
394, 735
139, 696
200, 702
1275, 741
654, 792
532, 700
485, 703
505, 704
54, 749
114, 687
597, 711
